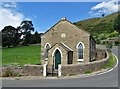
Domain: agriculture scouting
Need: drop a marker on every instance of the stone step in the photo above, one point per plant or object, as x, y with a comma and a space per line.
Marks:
55, 73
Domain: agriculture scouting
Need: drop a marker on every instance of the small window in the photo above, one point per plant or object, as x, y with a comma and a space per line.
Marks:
80, 51
47, 48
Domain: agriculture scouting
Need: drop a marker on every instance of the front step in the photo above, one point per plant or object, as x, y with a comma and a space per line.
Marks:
54, 74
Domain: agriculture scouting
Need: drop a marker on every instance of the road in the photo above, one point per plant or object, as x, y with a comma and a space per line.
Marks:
109, 79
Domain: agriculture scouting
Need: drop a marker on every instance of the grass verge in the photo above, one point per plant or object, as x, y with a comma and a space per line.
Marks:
111, 62
88, 71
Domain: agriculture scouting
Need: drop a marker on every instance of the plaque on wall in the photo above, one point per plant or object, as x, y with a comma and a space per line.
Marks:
63, 35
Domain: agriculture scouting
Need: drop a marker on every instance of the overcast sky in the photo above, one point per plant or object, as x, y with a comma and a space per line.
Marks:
44, 15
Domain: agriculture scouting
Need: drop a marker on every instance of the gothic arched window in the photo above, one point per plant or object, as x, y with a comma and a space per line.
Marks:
47, 47
80, 51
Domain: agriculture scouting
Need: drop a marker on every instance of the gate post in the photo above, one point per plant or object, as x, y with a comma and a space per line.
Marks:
59, 70
44, 70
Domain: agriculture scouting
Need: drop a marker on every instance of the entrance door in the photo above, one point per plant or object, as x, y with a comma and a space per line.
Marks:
57, 59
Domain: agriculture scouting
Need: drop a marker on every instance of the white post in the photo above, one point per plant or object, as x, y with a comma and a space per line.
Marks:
44, 70
59, 70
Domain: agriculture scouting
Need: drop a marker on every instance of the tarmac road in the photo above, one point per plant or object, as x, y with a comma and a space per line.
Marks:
109, 79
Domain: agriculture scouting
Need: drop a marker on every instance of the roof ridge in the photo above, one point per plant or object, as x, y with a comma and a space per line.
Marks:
64, 19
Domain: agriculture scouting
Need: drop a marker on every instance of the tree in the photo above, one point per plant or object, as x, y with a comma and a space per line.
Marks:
117, 24
0, 38
36, 38
109, 46
26, 27
10, 36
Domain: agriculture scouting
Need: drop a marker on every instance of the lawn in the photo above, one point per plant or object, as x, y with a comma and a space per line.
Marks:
22, 55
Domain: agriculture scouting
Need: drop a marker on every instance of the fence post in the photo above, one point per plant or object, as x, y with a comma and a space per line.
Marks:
59, 70
44, 70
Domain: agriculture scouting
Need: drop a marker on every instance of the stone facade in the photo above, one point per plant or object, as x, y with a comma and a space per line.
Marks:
65, 37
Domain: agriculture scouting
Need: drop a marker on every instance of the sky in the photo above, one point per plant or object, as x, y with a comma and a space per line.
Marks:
45, 14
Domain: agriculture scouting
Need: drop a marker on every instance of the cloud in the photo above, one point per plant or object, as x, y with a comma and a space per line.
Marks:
9, 5
105, 7
9, 15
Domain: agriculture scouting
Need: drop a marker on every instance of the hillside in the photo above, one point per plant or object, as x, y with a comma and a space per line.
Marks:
100, 28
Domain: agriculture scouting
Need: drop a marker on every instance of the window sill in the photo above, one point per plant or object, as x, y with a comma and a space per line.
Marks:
80, 60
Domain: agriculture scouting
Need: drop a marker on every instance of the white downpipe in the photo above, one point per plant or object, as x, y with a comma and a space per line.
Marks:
44, 70
59, 70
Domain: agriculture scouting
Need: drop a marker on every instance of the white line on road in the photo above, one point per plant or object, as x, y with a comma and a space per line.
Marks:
102, 72
110, 69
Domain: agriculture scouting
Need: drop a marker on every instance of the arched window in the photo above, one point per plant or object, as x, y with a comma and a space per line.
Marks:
80, 51
47, 47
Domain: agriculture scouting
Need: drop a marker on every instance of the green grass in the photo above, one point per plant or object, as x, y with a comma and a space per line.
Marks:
111, 62
22, 55
88, 71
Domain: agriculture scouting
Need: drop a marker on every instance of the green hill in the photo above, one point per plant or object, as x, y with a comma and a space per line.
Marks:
100, 28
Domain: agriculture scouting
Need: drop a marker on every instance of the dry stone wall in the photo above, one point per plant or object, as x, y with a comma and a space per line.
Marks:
26, 70
74, 69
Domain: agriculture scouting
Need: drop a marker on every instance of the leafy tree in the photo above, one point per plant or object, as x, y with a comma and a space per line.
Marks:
10, 36
109, 46
26, 27
0, 38
36, 38
117, 24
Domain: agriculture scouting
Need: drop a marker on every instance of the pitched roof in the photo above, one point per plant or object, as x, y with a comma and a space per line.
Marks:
64, 19
63, 46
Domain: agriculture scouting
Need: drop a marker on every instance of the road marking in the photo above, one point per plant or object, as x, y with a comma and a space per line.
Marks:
117, 60
106, 71
112, 68
98, 73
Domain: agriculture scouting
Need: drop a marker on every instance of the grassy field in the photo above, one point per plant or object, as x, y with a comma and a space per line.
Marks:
22, 55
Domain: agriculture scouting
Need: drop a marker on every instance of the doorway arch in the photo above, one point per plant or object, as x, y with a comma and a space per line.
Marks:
57, 58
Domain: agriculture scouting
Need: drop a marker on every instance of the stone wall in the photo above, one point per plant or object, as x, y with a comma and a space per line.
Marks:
74, 69
12, 69
26, 70
33, 70
100, 54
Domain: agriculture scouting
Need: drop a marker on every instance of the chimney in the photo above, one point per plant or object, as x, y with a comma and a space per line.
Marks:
64, 18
